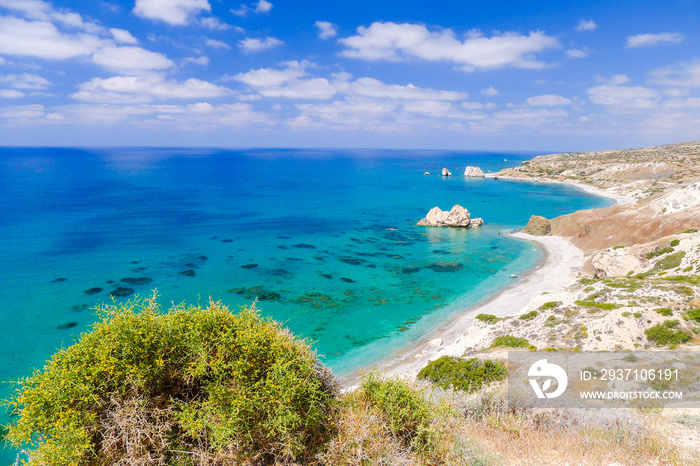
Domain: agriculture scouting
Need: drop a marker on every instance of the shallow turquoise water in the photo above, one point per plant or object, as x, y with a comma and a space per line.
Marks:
325, 239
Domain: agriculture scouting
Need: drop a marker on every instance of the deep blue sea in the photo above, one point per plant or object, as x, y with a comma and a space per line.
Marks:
325, 239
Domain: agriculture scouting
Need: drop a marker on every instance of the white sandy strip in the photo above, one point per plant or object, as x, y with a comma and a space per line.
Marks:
558, 270
618, 198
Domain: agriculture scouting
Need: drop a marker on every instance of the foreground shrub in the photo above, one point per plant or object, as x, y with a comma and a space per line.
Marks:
463, 374
667, 334
191, 386
407, 413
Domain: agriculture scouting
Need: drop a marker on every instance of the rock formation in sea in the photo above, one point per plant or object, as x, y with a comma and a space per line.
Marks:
458, 216
446, 172
474, 171
538, 226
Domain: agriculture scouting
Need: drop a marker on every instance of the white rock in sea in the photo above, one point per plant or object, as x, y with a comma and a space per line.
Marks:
474, 171
458, 216
426, 173
446, 172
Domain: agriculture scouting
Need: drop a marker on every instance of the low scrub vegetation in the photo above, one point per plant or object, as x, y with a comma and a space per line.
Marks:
667, 333
468, 375
488, 318
509, 341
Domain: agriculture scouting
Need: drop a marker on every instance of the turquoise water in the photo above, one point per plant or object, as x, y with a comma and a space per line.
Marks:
326, 240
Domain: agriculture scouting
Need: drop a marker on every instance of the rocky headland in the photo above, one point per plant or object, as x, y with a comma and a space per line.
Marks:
614, 279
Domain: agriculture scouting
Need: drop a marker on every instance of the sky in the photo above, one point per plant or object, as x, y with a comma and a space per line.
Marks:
465, 75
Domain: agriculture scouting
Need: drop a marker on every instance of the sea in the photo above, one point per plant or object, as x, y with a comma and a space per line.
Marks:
325, 240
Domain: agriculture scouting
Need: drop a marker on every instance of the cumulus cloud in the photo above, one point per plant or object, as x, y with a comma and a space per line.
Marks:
24, 81
11, 94
263, 6
624, 98
201, 60
217, 44
326, 30
293, 82
490, 91
648, 40
576, 53
43, 40
175, 12
685, 74
124, 36
214, 23
548, 100
145, 89
586, 25
398, 42
256, 45
130, 59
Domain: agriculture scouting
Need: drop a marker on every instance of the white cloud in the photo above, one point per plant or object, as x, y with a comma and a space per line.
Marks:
490, 91
131, 58
263, 6
624, 98
217, 44
201, 60
576, 53
440, 109
25, 81
370, 87
548, 100
33, 9
23, 112
257, 45
42, 39
214, 23
615, 80
11, 94
176, 12
326, 30
268, 77
293, 83
586, 25
123, 36
648, 40
144, 89
397, 42
681, 74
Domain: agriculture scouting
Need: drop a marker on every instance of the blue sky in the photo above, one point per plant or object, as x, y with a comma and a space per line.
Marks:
498, 75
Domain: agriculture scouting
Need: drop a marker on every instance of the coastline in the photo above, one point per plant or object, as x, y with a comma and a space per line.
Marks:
558, 270
617, 198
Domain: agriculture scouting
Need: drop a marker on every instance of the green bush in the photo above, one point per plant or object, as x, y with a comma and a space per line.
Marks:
528, 315
509, 341
665, 311
192, 385
488, 318
463, 374
693, 314
671, 261
618, 247
675, 242
691, 230
667, 334
408, 414
549, 305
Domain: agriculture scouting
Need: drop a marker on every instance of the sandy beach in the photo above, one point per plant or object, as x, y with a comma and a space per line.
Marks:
558, 270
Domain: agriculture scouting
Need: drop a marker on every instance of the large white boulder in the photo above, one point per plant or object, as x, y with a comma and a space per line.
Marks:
474, 171
458, 216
